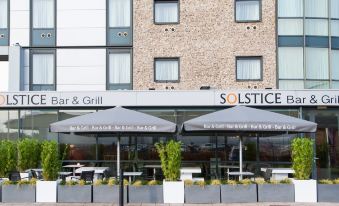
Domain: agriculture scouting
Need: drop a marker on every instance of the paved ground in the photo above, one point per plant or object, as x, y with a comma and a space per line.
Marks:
238, 204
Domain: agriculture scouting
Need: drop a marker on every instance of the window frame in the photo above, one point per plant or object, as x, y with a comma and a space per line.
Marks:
165, 59
118, 51
260, 58
31, 29
247, 21
41, 51
166, 1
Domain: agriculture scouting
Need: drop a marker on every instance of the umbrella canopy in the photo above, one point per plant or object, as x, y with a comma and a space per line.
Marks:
245, 119
118, 121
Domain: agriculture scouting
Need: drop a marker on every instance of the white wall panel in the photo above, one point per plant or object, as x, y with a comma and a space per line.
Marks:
26, 75
19, 4
19, 19
81, 19
81, 37
4, 72
81, 75
81, 57
20, 36
81, 4
26, 57
81, 87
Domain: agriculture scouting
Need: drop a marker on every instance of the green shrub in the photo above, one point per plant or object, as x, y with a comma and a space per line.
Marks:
245, 182
28, 154
188, 182
8, 157
112, 181
153, 182
286, 181
170, 156
138, 183
215, 182
302, 157
260, 181
200, 183
51, 164
336, 181
326, 181
231, 182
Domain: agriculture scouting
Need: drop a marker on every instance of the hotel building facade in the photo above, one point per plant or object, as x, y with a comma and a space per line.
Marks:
175, 59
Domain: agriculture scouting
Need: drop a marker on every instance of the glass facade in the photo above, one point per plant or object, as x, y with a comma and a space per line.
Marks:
206, 151
308, 44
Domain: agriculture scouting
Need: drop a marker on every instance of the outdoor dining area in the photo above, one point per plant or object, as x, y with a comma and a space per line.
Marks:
169, 180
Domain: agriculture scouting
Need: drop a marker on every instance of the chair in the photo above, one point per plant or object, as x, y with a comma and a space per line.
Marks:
268, 174
87, 176
36, 175
14, 176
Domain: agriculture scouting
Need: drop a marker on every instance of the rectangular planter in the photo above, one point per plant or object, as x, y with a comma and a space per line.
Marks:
107, 194
238, 193
305, 190
46, 191
202, 194
276, 193
328, 193
75, 193
174, 192
18, 193
145, 194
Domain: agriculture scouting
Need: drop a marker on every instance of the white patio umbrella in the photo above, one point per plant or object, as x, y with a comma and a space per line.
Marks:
241, 119
117, 121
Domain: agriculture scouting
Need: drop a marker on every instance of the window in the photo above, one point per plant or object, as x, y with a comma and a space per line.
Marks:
3, 14
119, 13
290, 27
249, 68
317, 63
335, 64
119, 71
42, 75
335, 9
166, 12
316, 8
290, 8
166, 69
291, 63
247, 10
316, 27
43, 14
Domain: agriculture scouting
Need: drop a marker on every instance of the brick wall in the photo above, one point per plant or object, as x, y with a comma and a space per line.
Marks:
207, 40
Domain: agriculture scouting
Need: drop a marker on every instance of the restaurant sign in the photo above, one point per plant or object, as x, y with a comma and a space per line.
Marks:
171, 98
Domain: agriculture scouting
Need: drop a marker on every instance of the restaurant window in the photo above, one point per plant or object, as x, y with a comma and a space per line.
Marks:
166, 69
80, 147
249, 68
247, 10
166, 11
42, 75
43, 23
35, 124
4, 22
119, 70
9, 124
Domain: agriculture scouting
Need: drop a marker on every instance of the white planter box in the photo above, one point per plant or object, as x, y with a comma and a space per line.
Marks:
46, 191
174, 192
305, 190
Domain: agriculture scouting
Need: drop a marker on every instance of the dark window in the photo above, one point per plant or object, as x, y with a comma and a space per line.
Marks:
166, 69
249, 68
166, 12
247, 10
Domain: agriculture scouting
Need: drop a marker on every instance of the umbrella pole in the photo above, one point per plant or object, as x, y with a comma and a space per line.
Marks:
118, 157
240, 157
